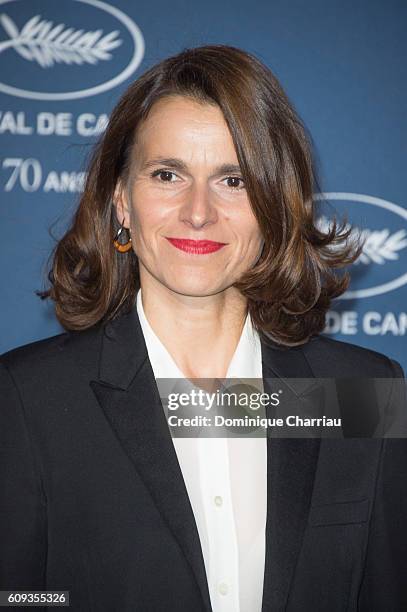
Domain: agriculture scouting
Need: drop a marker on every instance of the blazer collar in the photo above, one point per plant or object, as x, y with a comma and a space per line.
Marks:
127, 392
124, 351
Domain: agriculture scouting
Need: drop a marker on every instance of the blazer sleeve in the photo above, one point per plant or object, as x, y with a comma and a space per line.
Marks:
384, 584
23, 523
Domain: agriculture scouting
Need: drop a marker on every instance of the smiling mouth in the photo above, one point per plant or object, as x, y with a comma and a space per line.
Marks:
198, 247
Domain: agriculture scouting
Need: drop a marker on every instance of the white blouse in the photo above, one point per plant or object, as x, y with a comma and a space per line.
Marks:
226, 480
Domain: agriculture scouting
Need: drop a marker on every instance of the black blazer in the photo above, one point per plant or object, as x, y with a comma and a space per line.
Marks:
93, 499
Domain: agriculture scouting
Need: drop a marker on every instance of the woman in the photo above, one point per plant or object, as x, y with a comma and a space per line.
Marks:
194, 253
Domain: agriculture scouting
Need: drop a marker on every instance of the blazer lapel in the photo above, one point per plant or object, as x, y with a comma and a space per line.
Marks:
291, 466
129, 397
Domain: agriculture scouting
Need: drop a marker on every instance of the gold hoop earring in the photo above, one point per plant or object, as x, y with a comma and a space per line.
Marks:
122, 248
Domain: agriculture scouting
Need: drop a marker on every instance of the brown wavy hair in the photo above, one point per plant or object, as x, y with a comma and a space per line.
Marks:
290, 287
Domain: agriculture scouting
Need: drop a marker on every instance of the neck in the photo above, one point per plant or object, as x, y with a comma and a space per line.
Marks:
201, 333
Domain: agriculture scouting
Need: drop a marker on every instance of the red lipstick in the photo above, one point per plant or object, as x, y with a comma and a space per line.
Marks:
199, 247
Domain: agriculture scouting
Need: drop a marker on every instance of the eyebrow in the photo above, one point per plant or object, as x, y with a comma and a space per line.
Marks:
178, 164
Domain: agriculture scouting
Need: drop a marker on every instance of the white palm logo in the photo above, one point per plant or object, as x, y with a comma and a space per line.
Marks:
42, 42
380, 246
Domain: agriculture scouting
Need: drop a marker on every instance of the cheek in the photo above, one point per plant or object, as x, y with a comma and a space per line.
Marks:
249, 231
147, 215
253, 243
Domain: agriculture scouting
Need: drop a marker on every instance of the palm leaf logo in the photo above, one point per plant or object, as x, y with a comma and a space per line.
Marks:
42, 42
379, 246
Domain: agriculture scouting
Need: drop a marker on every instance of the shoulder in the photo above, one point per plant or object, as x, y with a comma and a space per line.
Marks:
33, 351
52, 354
347, 359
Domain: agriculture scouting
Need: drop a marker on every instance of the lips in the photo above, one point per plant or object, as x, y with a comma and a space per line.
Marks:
198, 247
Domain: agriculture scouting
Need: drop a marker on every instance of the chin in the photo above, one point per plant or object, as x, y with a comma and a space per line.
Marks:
195, 287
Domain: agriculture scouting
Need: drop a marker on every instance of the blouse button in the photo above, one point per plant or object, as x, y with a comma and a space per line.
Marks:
223, 588
218, 500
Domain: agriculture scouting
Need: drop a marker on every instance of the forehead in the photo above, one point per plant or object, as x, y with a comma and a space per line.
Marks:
179, 120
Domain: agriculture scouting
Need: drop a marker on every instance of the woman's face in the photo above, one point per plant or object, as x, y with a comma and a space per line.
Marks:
191, 223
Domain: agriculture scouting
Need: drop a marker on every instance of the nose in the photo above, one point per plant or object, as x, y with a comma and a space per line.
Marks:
198, 211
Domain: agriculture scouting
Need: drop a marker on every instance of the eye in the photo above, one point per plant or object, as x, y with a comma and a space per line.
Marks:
235, 180
165, 175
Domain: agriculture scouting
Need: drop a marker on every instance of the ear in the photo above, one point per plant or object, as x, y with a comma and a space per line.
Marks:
121, 204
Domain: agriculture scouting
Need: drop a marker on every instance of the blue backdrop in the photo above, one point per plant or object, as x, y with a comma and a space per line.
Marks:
343, 64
